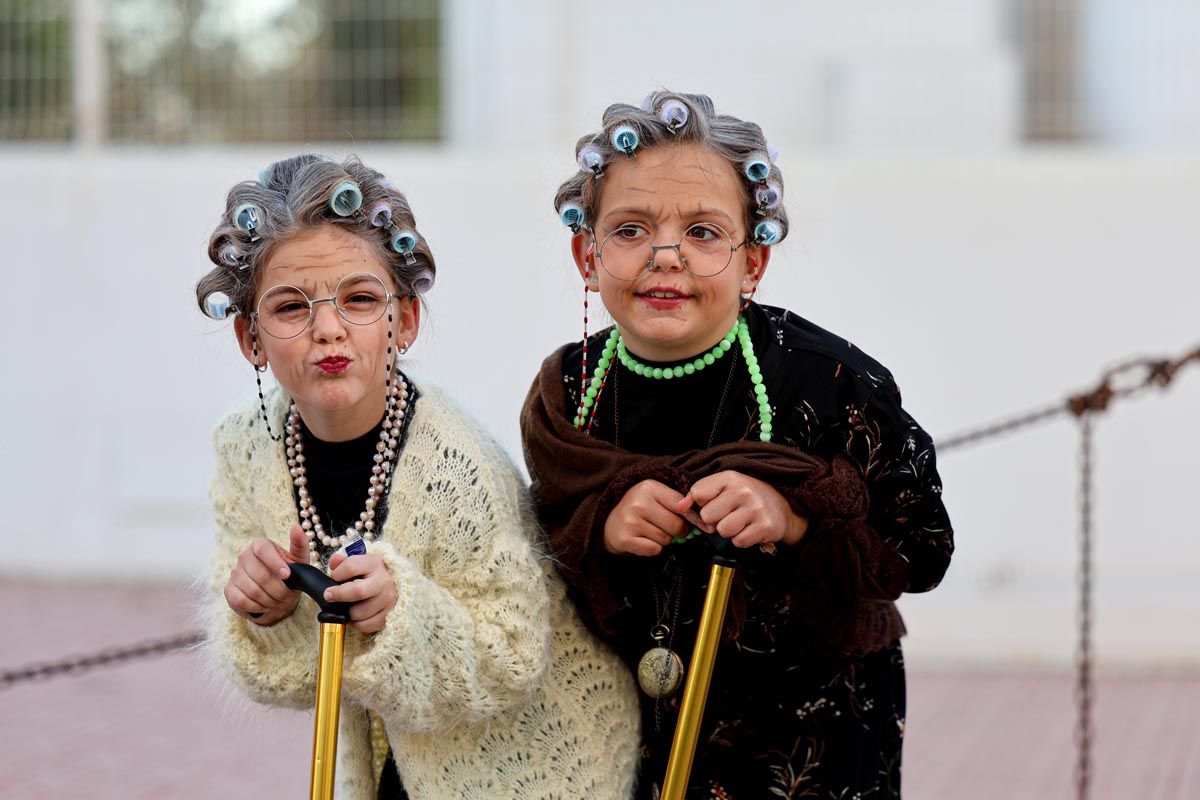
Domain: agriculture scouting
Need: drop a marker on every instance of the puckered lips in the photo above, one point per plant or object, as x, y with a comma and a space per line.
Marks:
663, 298
333, 365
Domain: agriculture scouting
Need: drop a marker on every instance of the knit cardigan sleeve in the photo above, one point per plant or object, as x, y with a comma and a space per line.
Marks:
469, 636
276, 664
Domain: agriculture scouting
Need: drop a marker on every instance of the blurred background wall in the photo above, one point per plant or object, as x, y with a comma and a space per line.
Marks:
996, 198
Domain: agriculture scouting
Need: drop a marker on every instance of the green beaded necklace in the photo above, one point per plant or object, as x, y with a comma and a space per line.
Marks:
614, 349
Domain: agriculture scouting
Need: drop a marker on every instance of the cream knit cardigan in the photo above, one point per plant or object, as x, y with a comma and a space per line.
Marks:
487, 683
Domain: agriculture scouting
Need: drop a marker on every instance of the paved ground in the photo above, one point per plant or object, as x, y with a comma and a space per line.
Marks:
163, 728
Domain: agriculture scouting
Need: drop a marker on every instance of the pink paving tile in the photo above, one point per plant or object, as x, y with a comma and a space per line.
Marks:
163, 728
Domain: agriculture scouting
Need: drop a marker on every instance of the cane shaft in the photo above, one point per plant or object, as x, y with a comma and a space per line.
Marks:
329, 702
695, 691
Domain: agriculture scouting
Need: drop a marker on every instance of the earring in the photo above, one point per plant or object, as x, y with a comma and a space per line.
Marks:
258, 371
747, 296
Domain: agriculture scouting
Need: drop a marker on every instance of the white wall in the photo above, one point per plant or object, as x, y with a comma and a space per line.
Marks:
856, 74
936, 76
989, 285
1138, 65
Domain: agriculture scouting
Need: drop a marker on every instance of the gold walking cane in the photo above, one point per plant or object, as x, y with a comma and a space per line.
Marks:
333, 618
704, 656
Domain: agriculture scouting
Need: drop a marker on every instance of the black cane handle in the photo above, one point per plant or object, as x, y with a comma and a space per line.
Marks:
313, 583
724, 553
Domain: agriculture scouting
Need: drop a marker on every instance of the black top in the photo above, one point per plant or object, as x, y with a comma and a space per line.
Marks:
785, 716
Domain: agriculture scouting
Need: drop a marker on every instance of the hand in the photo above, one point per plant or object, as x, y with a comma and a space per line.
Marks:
255, 589
646, 520
744, 509
368, 585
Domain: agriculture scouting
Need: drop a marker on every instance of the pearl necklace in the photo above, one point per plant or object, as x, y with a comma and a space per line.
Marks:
386, 451
614, 349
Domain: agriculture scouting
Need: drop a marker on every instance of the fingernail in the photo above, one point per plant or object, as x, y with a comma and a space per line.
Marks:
284, 572
326, 595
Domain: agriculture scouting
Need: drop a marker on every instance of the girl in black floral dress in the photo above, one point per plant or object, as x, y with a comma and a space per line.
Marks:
702, 412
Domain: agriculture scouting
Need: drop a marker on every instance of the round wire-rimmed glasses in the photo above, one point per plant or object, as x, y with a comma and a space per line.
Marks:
705, 250
285, 312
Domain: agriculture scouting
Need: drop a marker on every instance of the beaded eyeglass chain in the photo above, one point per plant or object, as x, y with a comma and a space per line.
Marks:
258, 371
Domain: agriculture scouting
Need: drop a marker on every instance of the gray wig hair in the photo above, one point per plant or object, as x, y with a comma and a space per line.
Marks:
294, 195
657, 121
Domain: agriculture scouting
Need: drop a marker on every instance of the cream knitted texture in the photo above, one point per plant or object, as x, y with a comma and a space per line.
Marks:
486, 681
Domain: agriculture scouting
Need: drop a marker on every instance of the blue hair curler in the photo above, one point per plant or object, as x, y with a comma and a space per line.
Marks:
590, 159
772, 152
573, 216
381, 214
246, 217
767, 196
218, 306
403, 243
757, 169
767, 233
346, 199
674, 114
423, 282
625, 140
647, 103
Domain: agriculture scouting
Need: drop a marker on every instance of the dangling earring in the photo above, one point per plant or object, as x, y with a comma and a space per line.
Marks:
747, 296
258, 371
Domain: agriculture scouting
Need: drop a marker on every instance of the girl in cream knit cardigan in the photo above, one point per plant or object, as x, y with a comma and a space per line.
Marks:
464, 657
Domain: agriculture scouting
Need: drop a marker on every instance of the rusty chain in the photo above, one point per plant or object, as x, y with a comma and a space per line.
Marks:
1084, 685
77, 665
1121, 382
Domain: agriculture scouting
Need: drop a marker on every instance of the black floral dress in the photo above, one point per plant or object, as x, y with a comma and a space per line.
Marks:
789, 714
